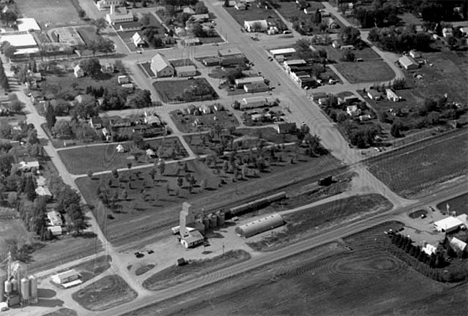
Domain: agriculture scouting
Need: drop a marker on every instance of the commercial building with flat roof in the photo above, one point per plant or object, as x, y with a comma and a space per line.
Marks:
19, 40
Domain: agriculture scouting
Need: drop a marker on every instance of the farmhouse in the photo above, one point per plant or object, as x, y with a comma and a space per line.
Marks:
256, 26
206, 109
105, 4
240, 6
43, 191
54, 218
353, 110
119, 15
429, 249
286, 52
414, 54
448, 225
27, 24
391, 95
286, 128
408, 63
152, 119
186, 71
138, 41
256, 87
78, 71
120, 148
260, 225
248, 80
457, 244
374, 94
161, 67
447, 32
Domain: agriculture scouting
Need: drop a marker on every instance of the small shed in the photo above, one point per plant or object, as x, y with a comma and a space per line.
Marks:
150, 153
120, 148
55, 230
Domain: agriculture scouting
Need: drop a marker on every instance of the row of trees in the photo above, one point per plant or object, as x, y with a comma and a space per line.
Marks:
400, 39
3, 78
379, 16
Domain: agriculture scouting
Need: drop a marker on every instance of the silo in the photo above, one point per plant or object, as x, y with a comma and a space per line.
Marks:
221, 218
8, 287
3, 278
33, 287
213, 220
14, 285
24, 286
206, 222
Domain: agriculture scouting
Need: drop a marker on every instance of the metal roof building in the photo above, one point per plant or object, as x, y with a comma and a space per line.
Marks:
408, 63
260, 225
448, 224
283, 51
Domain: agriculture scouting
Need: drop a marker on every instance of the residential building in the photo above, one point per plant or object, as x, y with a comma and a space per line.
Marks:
429, 249
336, 45
152, 119
192, 41
106, 4
96, 122
447, 32
55, 230
286, 128
121, 122
128, 26
28, 165
414, 54
180, 31
161, 67
107, 68
119, 15
150, 153
218, 107
55, 218
191, 109
374, 94
78, 71
200, 18
457, 244
206, 109
391, 95
186, 71
240, 6
256, 26
123, 79
188, 10
120, 148
408, 63
353, 110
211, 61
138, 40
331, 23
43, 191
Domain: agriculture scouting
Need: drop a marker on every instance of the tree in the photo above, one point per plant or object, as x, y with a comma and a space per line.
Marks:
226, 3
124, 195
348, 55
16, 106
105, 46
90, 174
91, 66
396, 129
100, 24
200, 8
197, 30
161, 166
140, 99
145, 20
30, 189
9, 17
76, 216
66, 197
9, 51
350, 35
317, 17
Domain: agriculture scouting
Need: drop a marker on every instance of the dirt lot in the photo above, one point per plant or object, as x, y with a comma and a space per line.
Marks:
175, 275
64, 13
366, 71
106, 157
329, 280
105, 293
413, 169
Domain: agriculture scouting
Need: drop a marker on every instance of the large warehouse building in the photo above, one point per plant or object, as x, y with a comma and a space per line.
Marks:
260, 225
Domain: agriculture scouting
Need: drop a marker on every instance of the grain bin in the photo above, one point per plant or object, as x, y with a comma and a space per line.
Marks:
213, 220
221, 218
14, 285
3, 278
33, 287
8, 287
24, 286
206, 223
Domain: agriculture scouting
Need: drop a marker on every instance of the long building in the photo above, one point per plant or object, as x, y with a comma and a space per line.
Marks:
260, 225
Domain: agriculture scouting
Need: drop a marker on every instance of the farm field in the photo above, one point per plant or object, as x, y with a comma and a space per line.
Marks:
458, 204
329, 280
412, 170
174, 90
106, 157
65, 12
195, 269
366, 71
157, 208
302, 222
105, 293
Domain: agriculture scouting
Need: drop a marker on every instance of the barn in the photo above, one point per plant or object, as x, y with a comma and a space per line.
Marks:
260, 225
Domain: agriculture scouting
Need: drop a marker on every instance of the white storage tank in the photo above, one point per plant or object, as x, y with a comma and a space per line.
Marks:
3, 278
24, 288
33, 287
8, 287
213, 220
14, 285
206, 223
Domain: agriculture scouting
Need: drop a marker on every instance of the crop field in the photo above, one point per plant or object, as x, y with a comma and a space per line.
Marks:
458, 204
154, 210
328, 280
302, 222
173, 90
64, 11
195, 269
105, 157
366, 71
413, 169
105, 293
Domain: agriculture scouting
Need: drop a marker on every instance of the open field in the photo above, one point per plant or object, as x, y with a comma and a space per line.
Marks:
175, 90
328, 280
179, 274
302, 222
105, 293
366, 71
154, 211
414, 169
65, 11
106, 157
458, 204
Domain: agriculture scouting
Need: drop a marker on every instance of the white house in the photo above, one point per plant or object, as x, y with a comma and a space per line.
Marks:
336, 45
43, 191
256, 26
447, 32
120, 148
161, 67
414, 54
429, 249
391, 95
240, 6
353, 110
457, 244
28, 165
138, 41
54, 218
119, 15
374, 94
78, 71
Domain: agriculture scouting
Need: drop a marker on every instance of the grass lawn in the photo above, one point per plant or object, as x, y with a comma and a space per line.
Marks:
64, 13
290, 9
299, 223
211, 40
366, 53
251, 14
147, 69
181, 62
88, 34
329, 280
105, 293
414, 169
367, 71
62, 312
195, 269
458, 204
126, 37
173, 90
184, 122
106, 157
